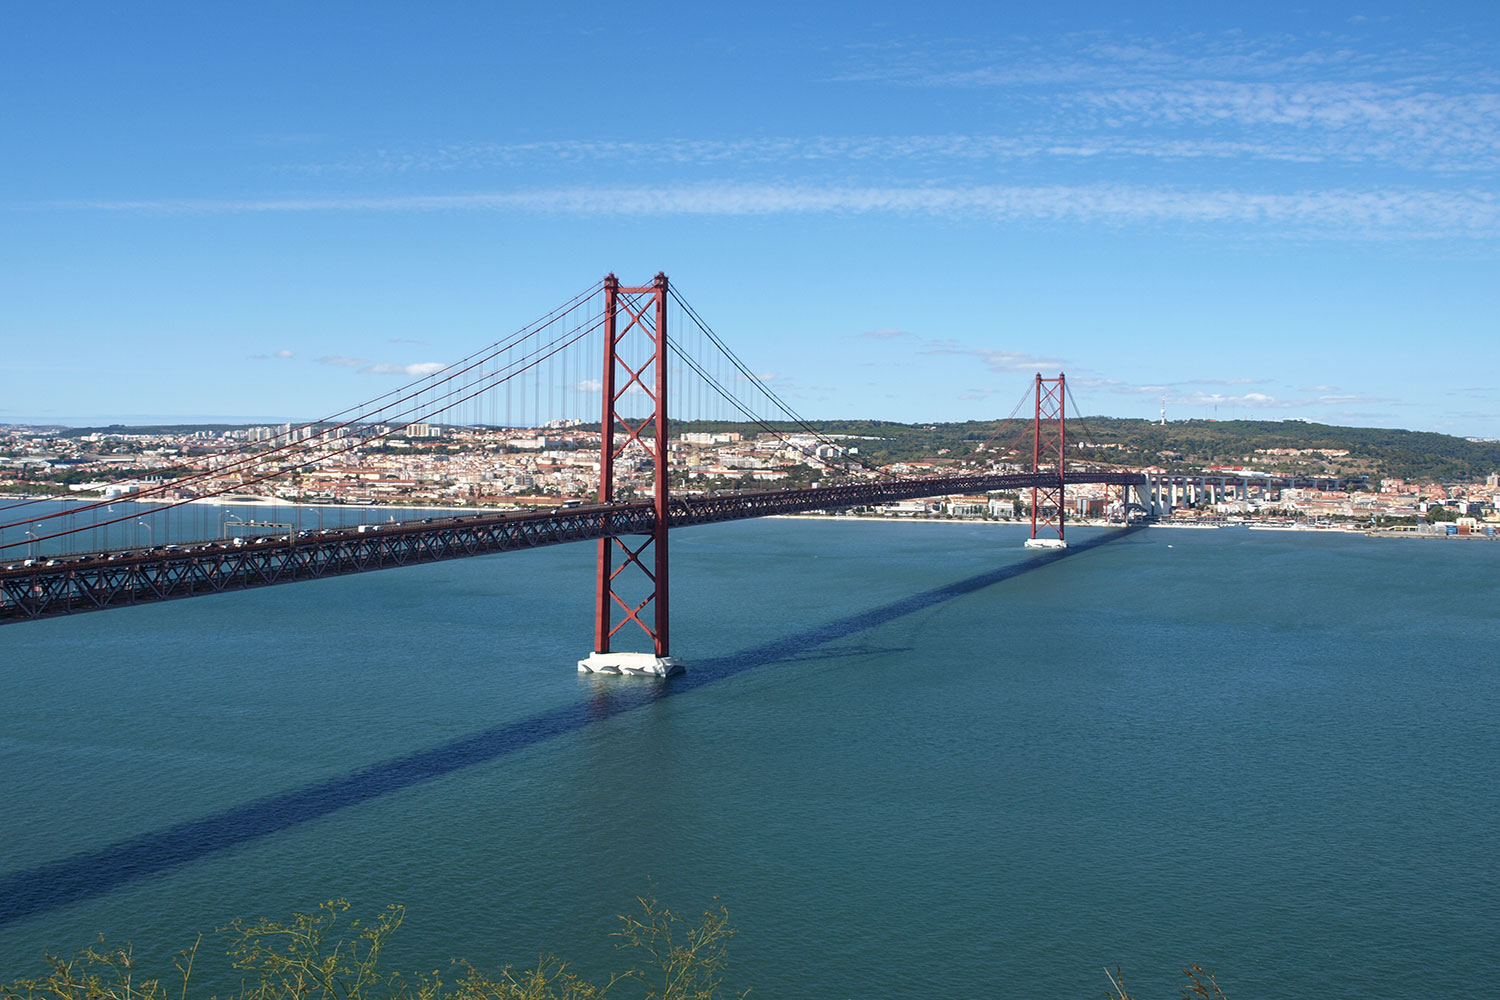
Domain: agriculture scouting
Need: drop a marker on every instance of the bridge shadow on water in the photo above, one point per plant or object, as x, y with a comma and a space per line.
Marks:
92, 873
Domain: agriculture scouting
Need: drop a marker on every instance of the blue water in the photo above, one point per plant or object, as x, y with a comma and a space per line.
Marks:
912, 760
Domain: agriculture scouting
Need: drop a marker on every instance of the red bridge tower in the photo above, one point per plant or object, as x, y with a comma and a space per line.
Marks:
634, 422
1050, 440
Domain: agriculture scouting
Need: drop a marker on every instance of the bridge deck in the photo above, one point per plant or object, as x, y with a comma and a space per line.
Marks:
98, 581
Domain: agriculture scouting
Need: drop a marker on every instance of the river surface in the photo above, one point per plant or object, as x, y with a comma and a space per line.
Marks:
913, 760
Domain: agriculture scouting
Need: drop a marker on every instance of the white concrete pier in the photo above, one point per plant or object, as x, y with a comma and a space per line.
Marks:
632, 664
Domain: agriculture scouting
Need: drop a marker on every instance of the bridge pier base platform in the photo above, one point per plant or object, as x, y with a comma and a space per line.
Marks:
1046, 543
632, 664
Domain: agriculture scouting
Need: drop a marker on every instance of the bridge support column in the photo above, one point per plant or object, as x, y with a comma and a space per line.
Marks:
637, 363
1049, 437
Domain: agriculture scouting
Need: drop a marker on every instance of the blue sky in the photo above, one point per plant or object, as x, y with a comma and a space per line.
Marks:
902, 211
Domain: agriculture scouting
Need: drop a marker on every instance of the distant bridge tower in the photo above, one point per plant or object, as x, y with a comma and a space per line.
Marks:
1049, 442
635, 374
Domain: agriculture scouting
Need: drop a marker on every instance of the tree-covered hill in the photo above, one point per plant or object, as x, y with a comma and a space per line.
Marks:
1266, 445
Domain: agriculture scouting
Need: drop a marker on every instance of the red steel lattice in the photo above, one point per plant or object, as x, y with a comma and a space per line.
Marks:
644, 312
1049, 443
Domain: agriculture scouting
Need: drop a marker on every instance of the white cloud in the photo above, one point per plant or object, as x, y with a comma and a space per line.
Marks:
1309, 117
412, 370
365, 367
1289, 121
1264, 401
1377, 213
1423, 107
1404, 125
340, 361
1182, 394
995, 360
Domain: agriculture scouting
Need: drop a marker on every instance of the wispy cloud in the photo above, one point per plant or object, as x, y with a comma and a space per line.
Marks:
1391, 212
1405, 125
1260, 401
1186, 394
413, 370
1362, 122
365, 367
1307, 118
995, 360
1255, 399
1353, 100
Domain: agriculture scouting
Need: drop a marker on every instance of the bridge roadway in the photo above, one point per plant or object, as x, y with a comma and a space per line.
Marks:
73, 584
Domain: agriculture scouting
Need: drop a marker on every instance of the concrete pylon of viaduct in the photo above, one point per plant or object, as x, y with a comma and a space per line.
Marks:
631, 589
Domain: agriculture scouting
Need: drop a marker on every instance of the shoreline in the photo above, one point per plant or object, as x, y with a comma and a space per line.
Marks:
257, 500
1183, 526
880, 519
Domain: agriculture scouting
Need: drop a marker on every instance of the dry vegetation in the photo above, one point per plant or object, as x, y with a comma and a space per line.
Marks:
321, 956
315, 956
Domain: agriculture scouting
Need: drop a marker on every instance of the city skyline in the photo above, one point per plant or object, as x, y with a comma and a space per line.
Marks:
246, 216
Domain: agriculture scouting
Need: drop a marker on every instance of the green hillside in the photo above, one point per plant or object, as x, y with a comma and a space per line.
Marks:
1266, 445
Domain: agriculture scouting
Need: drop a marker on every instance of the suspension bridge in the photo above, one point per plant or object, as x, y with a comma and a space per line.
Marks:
544, 381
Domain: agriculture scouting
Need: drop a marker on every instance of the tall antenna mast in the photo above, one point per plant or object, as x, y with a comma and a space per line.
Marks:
1164, 411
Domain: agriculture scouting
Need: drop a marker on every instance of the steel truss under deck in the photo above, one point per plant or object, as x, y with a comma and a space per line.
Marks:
74, 584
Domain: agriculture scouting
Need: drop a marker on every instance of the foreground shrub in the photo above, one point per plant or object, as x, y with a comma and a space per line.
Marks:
322, 956
318, 956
